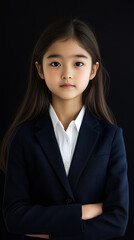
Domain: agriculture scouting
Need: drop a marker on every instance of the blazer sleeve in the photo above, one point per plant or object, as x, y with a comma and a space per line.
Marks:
113, 222
20, 216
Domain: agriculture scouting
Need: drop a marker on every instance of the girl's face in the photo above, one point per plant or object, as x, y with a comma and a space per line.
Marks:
67, 69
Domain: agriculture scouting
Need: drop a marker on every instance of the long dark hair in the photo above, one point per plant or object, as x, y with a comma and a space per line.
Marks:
38, 96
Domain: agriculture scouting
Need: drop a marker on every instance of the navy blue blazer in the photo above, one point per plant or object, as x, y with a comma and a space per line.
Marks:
39, 198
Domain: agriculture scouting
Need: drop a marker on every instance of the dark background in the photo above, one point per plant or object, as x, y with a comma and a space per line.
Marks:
113, 22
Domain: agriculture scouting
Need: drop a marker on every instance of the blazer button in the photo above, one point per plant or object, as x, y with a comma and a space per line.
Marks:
69, 201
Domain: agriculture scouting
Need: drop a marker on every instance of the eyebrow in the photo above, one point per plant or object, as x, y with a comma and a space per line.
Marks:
73, 56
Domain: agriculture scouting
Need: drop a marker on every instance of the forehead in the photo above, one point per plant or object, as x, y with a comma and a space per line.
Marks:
67, 48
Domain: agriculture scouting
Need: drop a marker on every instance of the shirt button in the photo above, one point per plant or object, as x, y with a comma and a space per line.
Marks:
66, 164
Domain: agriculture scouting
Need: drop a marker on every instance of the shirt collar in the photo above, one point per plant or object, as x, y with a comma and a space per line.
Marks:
56, 120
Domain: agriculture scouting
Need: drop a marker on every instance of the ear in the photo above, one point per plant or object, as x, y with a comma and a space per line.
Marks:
94, 70
39, 69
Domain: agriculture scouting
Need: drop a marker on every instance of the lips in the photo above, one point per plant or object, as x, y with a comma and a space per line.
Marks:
66, 85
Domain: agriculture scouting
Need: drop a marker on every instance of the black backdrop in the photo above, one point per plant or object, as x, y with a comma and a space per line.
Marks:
21, 24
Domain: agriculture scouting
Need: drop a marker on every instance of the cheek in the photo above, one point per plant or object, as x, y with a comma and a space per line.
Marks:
83, 79
50, 78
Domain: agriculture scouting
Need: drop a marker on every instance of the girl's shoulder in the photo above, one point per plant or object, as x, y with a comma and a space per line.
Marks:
110, 130
102, 124
22, 132
27, 126
25, 130
109, 125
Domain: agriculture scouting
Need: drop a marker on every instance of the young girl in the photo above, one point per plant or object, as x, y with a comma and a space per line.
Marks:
66, 169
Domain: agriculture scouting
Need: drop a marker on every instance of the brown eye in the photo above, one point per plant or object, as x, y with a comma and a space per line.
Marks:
55, 64
79, 64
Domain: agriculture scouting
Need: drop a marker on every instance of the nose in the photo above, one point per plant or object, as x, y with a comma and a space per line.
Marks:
66, 74
66, 77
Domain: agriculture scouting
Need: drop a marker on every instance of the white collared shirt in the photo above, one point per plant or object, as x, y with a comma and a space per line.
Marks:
66, 139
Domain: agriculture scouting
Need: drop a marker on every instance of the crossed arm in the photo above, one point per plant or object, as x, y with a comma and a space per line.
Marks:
88, 211
113, 214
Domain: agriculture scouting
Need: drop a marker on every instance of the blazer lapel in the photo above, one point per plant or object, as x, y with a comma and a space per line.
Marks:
46, 137
87, 139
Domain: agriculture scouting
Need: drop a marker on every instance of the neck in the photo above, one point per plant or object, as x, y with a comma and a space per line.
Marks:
67, 110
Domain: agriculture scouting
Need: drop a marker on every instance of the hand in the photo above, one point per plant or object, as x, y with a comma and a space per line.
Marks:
38, 235
91, 210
